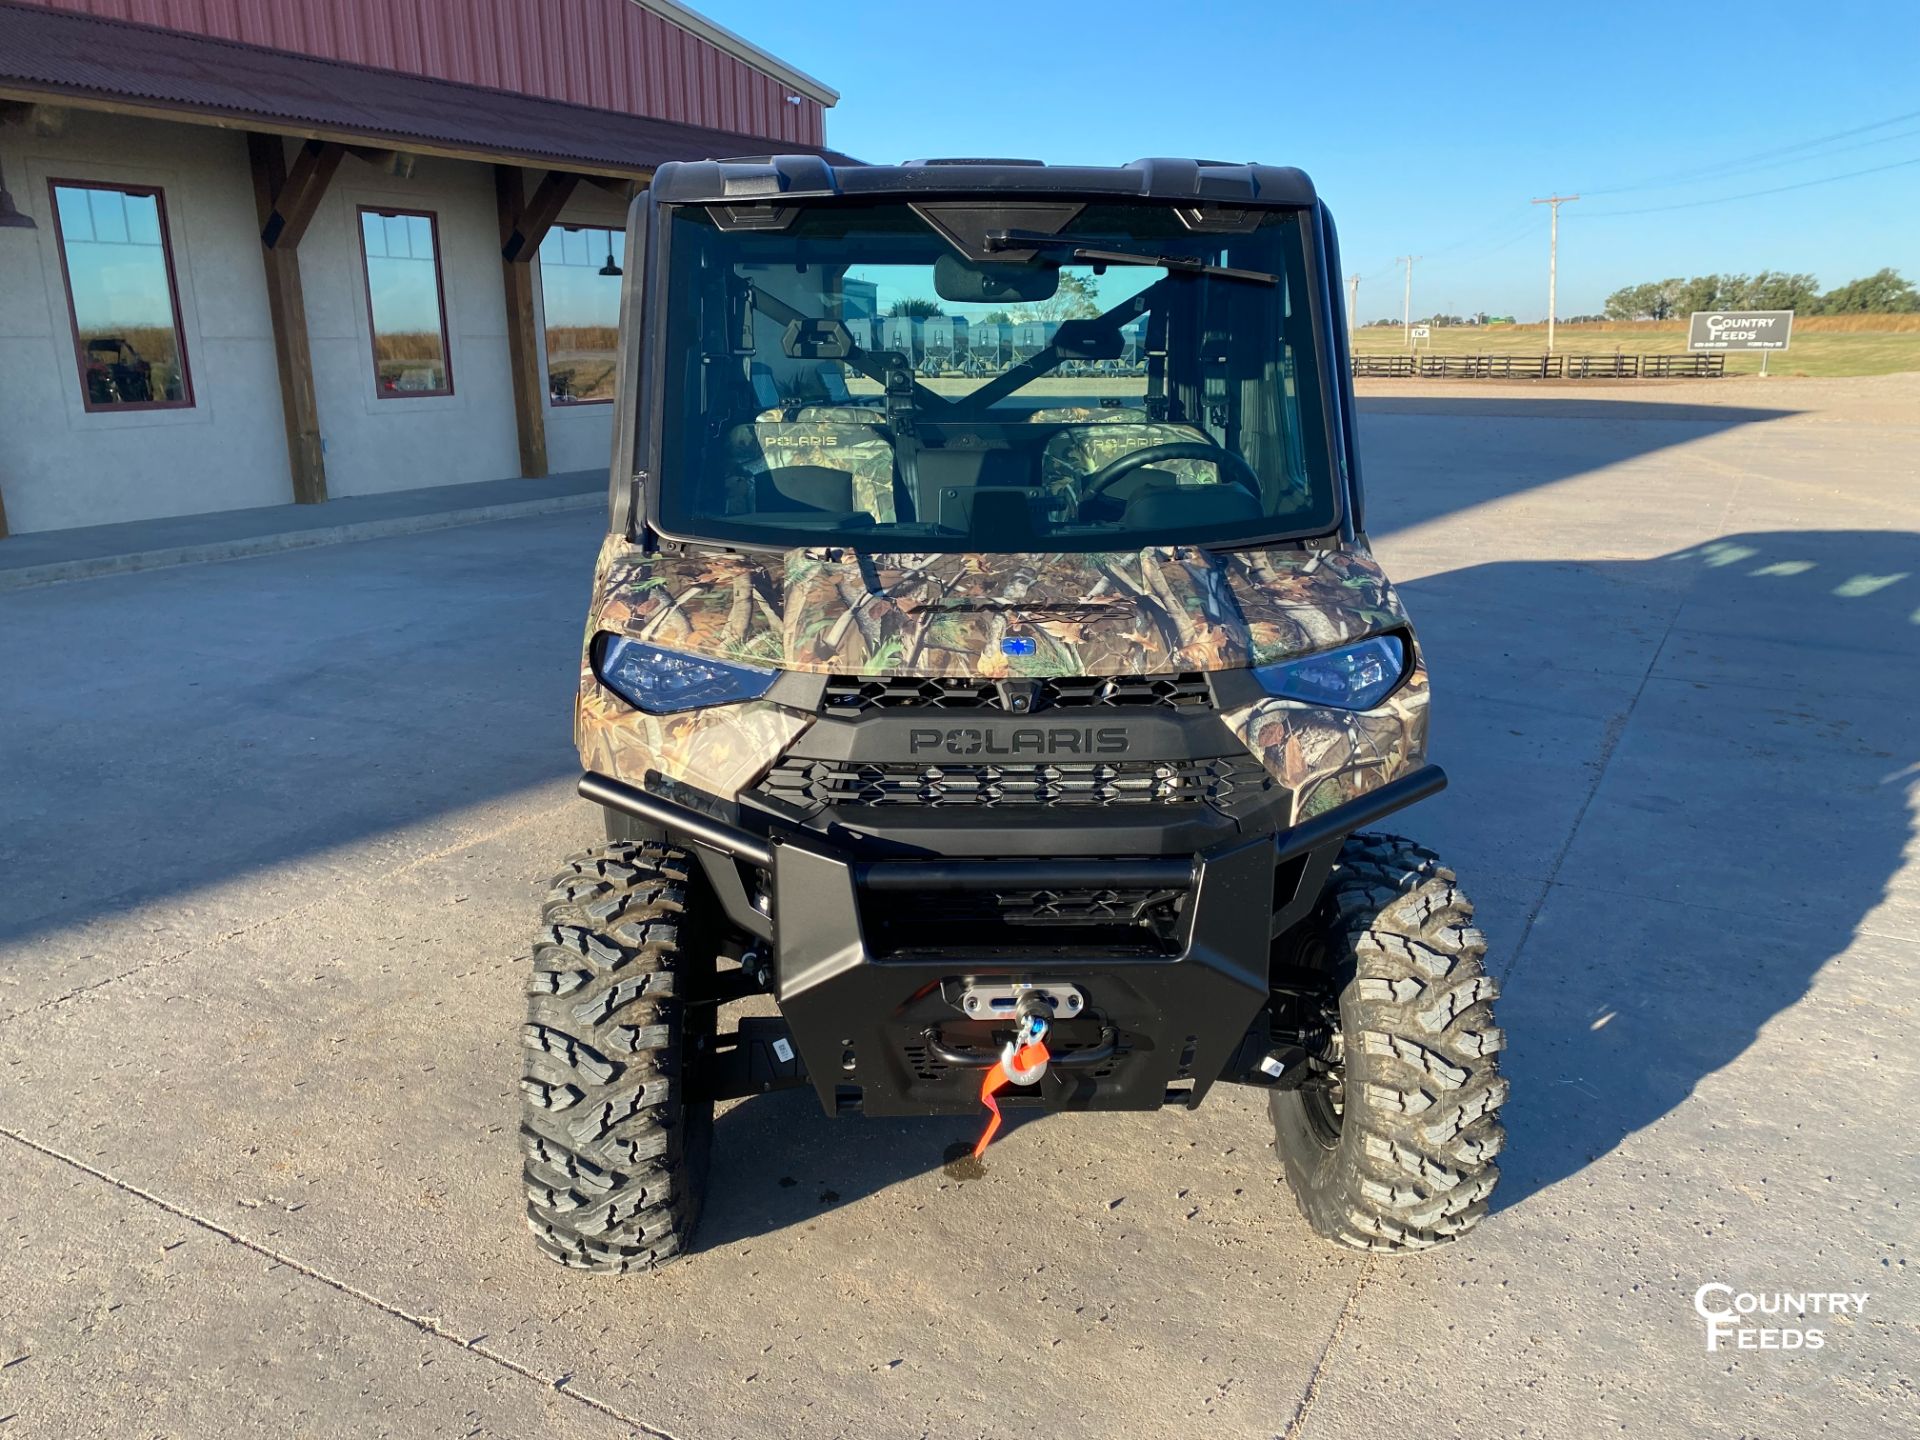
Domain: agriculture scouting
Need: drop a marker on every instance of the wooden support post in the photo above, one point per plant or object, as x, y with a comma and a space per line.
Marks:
287, 306
523, 347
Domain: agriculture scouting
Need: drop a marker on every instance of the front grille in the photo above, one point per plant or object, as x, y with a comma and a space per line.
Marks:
1077, 905
855, 695
1219, 781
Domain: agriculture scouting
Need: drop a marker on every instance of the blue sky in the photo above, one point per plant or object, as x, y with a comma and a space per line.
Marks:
1428, 129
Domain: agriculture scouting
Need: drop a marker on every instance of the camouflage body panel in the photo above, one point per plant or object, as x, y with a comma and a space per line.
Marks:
1140, 612
1325, 757
1150, 612
721, 750
833, 443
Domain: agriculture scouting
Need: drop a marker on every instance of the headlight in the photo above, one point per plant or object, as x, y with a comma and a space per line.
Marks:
660, 681
1356, 678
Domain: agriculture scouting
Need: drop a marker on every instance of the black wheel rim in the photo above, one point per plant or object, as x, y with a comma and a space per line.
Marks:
1323, 1101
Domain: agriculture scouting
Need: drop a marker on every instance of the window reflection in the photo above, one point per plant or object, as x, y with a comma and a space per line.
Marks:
402, 251
580, 270
126, 315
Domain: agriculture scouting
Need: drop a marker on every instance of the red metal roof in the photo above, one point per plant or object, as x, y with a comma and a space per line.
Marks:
45, 50
611, 55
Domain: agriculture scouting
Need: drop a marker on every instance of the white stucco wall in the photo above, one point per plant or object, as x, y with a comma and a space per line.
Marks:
375, 444
59, 465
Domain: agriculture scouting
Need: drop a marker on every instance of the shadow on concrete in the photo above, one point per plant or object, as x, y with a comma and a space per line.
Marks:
190, 728
1752, 815
1423, 457
205, 724
778, 1161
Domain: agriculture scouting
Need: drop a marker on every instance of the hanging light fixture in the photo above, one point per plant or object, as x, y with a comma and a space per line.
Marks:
611, 268
13, 218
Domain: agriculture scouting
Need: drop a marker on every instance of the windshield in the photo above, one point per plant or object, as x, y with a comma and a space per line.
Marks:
855, 378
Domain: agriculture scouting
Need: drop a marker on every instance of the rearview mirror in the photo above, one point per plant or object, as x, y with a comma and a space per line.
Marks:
985, 282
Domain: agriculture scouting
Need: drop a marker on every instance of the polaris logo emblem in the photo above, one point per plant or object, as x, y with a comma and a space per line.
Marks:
1047, 740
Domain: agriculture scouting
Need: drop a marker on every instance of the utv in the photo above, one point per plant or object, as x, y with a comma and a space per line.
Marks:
1015, 730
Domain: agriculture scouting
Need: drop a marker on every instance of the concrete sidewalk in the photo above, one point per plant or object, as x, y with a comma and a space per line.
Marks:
46, 557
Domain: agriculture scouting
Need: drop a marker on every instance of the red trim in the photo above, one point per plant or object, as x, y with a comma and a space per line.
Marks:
440, 295
54, 187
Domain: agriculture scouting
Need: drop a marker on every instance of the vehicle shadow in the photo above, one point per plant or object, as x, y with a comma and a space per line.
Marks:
1425, 456
223, 721
778, 1161
1752, 808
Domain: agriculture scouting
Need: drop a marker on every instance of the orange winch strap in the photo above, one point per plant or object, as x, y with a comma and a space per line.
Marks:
1024, 1060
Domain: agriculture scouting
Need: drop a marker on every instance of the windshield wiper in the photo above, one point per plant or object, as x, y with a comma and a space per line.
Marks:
1177, 264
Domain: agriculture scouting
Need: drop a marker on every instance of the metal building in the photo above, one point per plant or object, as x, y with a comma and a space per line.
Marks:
254, 251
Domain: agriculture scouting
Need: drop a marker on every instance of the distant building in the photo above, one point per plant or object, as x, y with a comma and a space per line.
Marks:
293, 249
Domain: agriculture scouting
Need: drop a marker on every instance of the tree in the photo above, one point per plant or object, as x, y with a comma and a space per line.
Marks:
1651, 301
915, 305
1779, 290
1885, 292
1078, 298
1702, 292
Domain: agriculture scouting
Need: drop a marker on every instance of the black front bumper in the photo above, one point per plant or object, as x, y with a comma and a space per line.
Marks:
877, 1019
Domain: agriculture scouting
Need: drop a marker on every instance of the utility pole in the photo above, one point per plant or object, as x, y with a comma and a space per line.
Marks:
1406, 307
1553, 260
1353, 305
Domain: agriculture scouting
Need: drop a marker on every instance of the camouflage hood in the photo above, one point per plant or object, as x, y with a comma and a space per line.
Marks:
1142, 612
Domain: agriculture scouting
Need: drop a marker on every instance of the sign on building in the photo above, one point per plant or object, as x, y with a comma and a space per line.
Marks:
1739, 329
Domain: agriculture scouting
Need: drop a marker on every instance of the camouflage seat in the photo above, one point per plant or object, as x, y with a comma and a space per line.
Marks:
816, 414
756, 452
1089, 439
1087, 415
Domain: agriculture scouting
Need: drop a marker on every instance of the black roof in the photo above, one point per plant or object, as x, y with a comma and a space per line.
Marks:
803, 176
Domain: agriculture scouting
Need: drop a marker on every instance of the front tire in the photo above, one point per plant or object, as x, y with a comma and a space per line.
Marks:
615, 1130
1390, 1148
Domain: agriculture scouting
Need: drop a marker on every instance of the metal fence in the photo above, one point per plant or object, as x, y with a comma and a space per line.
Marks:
1543, 367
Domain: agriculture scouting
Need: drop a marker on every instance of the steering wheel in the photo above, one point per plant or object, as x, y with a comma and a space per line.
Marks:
1227, 462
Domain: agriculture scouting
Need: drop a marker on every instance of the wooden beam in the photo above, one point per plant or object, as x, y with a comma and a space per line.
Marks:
287, 308
187, 115
299, 195
522, 239
622, 190
523, 346
398, 163
46, 121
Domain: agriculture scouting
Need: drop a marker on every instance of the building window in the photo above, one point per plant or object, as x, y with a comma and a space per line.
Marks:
580, 271
118, 265
406, 303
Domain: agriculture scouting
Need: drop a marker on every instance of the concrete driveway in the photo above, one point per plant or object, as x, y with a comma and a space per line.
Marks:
271, 834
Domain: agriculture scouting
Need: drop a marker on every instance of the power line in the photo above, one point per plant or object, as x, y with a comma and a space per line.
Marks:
1731, 171
1704, 172
1752, 194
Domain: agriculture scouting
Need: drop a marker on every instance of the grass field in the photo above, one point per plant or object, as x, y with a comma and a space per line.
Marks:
1822, 345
